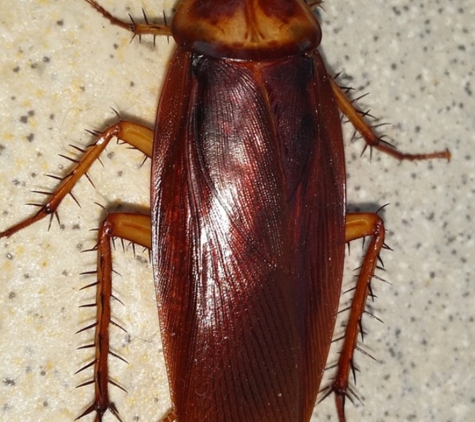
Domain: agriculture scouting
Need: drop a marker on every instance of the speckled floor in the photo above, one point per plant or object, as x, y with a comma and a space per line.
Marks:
63, 67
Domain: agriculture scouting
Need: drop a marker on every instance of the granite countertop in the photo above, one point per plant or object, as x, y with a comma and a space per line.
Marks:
63, 67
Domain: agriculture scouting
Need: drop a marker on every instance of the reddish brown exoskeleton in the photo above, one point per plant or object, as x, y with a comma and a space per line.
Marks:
247, 225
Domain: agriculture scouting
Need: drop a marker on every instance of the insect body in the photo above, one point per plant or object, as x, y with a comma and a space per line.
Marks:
247, 225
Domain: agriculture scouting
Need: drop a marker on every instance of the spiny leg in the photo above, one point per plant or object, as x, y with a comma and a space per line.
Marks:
138, 136
135, 228
138, 29
372, 140
358, 225
132, 227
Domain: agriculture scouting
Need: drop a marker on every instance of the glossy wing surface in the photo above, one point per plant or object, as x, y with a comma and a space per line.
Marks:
223, 266
248, 211
309, 129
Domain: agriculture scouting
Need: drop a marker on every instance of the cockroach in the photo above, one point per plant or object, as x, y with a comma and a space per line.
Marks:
247, 225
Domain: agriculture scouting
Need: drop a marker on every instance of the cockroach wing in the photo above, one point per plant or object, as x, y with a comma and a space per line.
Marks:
309, 132
248, 235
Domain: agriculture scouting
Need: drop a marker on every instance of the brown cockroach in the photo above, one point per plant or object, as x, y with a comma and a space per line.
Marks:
247, 224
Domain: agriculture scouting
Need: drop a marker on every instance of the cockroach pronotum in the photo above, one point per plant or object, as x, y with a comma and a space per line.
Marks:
247, 224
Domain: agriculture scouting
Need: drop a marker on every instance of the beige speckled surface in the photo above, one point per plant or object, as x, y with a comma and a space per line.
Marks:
61, 69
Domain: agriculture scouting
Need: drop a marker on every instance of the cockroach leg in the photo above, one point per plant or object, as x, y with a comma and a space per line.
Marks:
358, 225
372, 140
132, 227
134, 134
138, 29
135, 228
